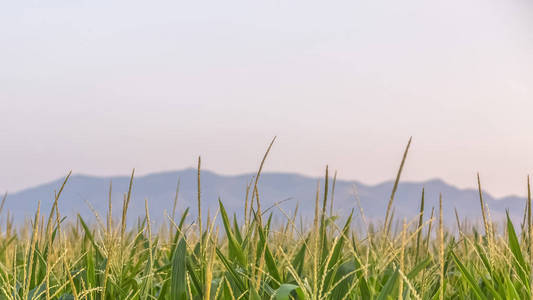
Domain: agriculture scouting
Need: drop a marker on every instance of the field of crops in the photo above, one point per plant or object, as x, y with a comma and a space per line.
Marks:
222, 256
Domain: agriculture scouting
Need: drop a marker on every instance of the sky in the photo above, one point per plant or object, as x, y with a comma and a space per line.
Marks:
101, 87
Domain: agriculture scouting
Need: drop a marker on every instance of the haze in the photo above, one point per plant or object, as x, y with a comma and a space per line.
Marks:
101, 87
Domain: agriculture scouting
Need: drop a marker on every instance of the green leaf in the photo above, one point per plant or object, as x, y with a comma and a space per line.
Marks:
336, 255
416, 269
388, 288
343, 287
520, 263
285, 291
178, 233
234, 248
298, 260
469, 278
90, 236
269, 259
363, 284
178, 288
253, 293
91, 273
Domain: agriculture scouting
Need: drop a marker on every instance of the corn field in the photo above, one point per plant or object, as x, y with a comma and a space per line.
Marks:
251, 257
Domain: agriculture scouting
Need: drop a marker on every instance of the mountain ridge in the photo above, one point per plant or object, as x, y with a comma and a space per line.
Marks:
159, 188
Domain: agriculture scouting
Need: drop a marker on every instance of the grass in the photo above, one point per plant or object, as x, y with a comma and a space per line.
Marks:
225, 257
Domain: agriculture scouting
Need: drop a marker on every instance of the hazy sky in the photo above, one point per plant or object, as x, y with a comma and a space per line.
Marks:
101, 87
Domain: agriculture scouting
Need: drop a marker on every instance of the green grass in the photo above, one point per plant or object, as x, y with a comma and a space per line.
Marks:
225, 257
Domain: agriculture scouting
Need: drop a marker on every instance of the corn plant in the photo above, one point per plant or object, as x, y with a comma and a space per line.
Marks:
252, 257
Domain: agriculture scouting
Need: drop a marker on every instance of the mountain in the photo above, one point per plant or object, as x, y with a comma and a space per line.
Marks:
159, 190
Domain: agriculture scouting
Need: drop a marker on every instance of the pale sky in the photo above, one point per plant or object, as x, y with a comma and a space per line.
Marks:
101, 87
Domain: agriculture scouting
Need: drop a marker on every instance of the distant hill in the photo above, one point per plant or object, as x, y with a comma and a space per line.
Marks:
159, 189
